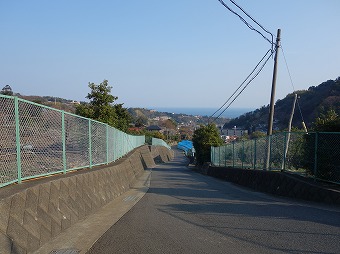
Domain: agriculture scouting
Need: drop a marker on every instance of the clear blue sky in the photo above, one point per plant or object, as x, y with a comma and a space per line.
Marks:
178, 53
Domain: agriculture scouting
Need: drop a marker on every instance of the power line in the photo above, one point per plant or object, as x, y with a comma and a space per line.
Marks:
291, 82
255, 75
246, 23
256, 70
264, 29
241, 84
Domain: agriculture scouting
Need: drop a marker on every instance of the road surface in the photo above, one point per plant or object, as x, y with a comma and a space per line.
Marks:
186, 212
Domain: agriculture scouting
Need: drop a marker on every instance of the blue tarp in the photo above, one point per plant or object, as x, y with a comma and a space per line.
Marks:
185, 145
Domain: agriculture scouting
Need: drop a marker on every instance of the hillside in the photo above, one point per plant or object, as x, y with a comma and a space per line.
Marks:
312, 102
142, 113
53, 102
148, 116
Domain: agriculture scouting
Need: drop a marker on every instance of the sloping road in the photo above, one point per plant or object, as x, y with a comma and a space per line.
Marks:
186, 212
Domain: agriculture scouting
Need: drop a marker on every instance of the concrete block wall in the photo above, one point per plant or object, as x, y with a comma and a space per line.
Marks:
33, 216
147, 157
161, 154
278, 183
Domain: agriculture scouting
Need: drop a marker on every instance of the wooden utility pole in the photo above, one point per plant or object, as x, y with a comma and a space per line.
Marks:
272, 99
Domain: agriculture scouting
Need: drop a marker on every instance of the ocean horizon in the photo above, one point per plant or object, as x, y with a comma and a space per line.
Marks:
229, 113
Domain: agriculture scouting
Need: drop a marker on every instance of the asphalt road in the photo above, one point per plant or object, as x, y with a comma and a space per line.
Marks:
186, 212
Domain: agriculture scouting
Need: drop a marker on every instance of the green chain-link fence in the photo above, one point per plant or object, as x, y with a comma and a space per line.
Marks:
159, 142
36, 140
313, 154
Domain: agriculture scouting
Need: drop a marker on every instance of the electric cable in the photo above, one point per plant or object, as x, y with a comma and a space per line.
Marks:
240, 85
291, 82
264, 29
249, 78
246, 23
257, 73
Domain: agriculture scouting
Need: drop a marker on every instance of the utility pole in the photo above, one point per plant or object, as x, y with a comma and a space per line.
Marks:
289, 130
292, 114
272, 99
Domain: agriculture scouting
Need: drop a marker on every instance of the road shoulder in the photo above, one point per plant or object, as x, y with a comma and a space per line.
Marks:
80, 237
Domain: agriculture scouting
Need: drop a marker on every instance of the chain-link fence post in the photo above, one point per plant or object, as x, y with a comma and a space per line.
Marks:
255, 153
107, 144
63, 136
219, 156
285, 149
243, 155
269, 153
225, 155
315, 155
233, 154
17, 137
90, 144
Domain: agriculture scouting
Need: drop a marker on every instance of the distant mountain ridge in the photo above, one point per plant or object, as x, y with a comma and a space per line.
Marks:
70, 106
311, 102
178, 118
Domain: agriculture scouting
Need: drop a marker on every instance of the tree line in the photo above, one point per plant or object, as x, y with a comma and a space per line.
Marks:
322, 102
312, 103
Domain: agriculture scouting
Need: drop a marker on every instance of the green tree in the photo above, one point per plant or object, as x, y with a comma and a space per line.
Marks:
203, 139
7, 90
324, 144
243, 137
123, 117
329, 122
153, 134
101, 107
257, 134
141, 121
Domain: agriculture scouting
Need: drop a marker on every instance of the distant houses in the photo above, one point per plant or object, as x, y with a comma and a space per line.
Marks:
229, 135
238, 132
161, 118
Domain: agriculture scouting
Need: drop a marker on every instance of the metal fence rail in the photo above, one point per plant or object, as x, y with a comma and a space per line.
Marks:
36, 140
315, 154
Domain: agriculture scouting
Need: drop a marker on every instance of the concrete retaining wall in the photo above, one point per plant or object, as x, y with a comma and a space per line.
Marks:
35, 214
278, 183
161, 154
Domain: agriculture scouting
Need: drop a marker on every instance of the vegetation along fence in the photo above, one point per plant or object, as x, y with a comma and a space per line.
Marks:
36, 140
313, 154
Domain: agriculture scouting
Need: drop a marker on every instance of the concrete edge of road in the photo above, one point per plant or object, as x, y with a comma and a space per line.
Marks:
35, 212
277, 183
81, 236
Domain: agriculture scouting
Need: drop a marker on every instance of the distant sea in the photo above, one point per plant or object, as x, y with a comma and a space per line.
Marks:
229, 113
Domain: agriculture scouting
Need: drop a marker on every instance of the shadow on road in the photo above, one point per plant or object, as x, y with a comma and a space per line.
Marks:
206, 195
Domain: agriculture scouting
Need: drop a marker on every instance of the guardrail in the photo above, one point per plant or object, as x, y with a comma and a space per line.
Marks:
37, 140
313, 154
